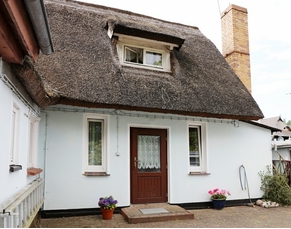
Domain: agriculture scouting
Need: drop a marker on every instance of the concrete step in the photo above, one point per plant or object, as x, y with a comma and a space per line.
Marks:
142, 213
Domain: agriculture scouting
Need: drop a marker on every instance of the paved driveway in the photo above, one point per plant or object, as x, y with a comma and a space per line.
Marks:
233, 217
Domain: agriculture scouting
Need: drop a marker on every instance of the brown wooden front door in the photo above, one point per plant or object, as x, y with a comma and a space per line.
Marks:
148, 165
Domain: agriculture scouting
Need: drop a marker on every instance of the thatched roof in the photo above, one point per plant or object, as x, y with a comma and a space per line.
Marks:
85, 69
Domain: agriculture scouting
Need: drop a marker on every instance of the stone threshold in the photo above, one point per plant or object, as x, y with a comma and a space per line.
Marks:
133, 214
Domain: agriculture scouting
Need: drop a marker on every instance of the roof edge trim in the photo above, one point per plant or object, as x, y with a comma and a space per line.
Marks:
114, 27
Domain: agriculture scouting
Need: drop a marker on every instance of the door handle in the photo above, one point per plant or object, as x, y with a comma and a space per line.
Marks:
134, 162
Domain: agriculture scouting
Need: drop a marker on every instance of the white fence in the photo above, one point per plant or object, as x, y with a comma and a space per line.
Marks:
21, 209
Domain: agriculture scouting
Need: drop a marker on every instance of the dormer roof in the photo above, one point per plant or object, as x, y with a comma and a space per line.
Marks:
123, 26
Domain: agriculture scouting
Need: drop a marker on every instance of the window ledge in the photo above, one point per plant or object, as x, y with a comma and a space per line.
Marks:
145, 67
13, 168
33, 171
199, 173
96, 174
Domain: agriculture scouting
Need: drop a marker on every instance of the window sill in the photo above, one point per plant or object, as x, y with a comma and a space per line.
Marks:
199, 173
96, 174
145, 67
33, 171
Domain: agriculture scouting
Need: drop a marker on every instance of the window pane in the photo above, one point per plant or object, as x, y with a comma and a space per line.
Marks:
31, 143
148, 153
95, 143
194, 146
154, 58
134, 55
13, 137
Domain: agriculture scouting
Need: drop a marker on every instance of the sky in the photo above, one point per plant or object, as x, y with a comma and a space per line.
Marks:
269, 38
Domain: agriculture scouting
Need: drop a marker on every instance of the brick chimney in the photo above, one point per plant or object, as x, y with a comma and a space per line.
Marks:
235, 42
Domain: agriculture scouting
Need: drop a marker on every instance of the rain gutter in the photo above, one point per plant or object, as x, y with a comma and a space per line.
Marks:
37, 13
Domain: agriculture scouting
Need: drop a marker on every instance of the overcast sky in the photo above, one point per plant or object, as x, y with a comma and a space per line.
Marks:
269, 33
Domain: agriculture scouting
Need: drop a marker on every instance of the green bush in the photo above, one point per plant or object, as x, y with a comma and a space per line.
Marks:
275, 186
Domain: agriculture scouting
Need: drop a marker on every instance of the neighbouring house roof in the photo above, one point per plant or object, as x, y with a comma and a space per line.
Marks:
256, 123
277, 122
85, 69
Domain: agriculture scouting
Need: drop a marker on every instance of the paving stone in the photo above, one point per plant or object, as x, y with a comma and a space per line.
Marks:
229, 217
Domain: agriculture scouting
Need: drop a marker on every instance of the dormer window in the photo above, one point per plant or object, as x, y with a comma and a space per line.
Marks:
133, 55
152, 58
144, 53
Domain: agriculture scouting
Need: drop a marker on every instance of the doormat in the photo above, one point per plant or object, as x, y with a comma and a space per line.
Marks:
147, 211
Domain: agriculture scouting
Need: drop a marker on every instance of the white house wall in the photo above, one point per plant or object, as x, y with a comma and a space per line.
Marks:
229, 147
12, 182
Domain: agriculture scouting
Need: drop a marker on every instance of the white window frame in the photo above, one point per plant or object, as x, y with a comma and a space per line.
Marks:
147, 45
33, 124
145, 50
203, 167
104, 120
14, 145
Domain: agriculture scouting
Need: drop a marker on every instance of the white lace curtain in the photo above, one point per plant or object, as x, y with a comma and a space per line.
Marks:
148, 152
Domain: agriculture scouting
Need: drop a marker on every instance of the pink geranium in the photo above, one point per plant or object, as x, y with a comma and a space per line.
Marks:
217, 194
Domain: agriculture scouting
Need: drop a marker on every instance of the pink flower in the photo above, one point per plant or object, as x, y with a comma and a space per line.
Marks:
217, 194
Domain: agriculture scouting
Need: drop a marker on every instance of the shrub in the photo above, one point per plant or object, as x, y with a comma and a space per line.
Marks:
275, 186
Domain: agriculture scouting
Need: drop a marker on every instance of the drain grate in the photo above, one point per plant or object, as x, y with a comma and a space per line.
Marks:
147, 211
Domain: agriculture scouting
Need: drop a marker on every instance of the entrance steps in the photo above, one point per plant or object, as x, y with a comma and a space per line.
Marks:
142, 213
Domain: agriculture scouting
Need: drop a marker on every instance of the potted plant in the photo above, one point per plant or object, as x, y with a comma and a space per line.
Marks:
107, 206
218, 198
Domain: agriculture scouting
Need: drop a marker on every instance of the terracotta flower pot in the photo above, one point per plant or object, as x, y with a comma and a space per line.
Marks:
107, 213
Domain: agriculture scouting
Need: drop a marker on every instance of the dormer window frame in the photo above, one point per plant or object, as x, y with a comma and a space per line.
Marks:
143, 56
164, 49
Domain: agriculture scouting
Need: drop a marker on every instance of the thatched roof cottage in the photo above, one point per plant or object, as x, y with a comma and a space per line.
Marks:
146, 110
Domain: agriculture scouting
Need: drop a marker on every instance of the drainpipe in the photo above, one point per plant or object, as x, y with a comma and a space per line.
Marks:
37, 13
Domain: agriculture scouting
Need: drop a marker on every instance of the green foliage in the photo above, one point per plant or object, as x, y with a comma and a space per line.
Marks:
275, 186
95, 143
95, 153
289, 123
193, 139
158, 63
